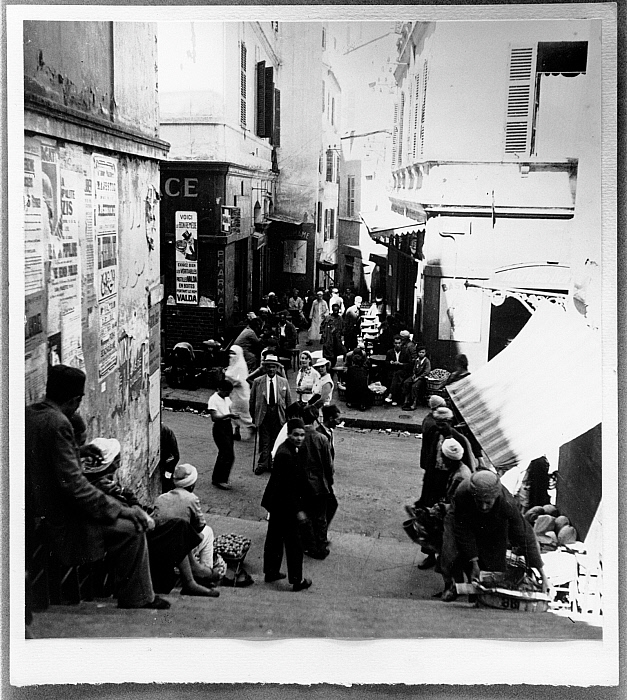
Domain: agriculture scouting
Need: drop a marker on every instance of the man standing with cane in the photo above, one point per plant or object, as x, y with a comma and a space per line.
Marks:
269, 398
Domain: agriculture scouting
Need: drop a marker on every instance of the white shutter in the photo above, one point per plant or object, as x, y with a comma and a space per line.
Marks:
401, 116
423, 106
416, 124
520, 96
395, 138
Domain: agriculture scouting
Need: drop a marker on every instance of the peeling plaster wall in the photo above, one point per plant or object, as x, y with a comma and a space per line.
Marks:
81, 66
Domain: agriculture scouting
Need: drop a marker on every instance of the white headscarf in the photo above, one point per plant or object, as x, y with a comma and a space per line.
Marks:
237, 371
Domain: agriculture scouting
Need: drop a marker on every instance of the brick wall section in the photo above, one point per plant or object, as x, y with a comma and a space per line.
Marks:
193, 324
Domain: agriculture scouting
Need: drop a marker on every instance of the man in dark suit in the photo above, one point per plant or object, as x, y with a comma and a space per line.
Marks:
270, 396
398, 363
287, 334
284, 498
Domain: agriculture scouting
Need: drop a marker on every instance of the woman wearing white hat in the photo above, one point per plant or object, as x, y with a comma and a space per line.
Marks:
323, 387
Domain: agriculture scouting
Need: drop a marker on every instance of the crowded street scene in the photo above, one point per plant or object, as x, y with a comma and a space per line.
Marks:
315, 338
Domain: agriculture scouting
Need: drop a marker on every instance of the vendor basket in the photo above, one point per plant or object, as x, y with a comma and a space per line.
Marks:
233, 549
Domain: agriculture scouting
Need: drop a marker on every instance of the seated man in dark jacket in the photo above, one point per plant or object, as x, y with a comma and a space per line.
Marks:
81, 521
398, 364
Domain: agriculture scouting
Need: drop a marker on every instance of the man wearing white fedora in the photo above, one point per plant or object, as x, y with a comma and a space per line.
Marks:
270, 396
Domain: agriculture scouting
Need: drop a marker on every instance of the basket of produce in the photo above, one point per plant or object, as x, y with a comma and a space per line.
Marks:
378, 393
436, 379
232, 548
518, 601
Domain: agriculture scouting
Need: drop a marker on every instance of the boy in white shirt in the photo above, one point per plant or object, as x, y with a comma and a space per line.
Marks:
220, 411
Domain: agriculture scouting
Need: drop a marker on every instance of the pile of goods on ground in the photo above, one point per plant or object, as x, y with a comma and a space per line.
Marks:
231, 547
551, 528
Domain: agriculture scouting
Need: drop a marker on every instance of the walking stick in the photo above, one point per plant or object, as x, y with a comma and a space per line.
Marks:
255, 448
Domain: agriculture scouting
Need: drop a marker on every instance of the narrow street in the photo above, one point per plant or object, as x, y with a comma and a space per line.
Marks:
369, 587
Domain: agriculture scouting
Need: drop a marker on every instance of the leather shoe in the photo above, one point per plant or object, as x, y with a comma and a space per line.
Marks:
224, 486
318, 555
207, 593
428, 563
260, 470
449, 595
302, 586
270, 578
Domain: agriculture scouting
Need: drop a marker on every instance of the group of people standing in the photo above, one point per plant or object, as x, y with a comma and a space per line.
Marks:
470, 518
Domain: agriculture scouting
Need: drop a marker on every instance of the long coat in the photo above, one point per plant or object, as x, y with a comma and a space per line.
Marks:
74, 510
288, 488
259, 398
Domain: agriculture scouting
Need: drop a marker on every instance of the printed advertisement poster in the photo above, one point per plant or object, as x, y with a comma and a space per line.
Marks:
105, 202
295, 257
186, 245
154, 338
460, 311
88, 245
33, 212
34, 312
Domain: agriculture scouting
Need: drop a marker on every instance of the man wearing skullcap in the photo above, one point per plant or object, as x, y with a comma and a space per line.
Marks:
488, 522
171, 537
82, 522
435, 465
285, 499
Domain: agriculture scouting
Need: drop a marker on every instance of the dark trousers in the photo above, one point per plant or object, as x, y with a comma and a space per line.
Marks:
223, 437
283, 533
129, 553
396, 384
168, 544
414, 390
268, 432
331, 507
314, 531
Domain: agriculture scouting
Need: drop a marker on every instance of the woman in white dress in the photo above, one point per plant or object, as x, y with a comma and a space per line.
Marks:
306, 378
236, 373
319, 311
324, 385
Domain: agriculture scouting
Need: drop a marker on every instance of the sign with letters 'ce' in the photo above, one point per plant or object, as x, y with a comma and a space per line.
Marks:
186, 245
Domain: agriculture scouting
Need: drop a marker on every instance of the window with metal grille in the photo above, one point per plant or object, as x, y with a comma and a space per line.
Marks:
243, 83
329, 177
350, 195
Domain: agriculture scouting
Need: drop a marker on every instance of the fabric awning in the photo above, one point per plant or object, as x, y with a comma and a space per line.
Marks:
527, 401
326, 265
382, 224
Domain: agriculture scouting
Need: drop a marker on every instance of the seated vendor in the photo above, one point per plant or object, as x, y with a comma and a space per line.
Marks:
171, 541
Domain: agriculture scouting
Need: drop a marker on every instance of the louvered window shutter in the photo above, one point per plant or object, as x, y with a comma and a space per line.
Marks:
332, 224
276, 140
329, 165
395, 138
243, 84
401, 114
261, 99
423, 106
337, 168
319, 222
324, 96
417, 110
269, 104
520, 95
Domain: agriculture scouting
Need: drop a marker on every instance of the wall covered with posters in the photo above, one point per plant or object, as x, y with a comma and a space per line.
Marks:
91, 209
